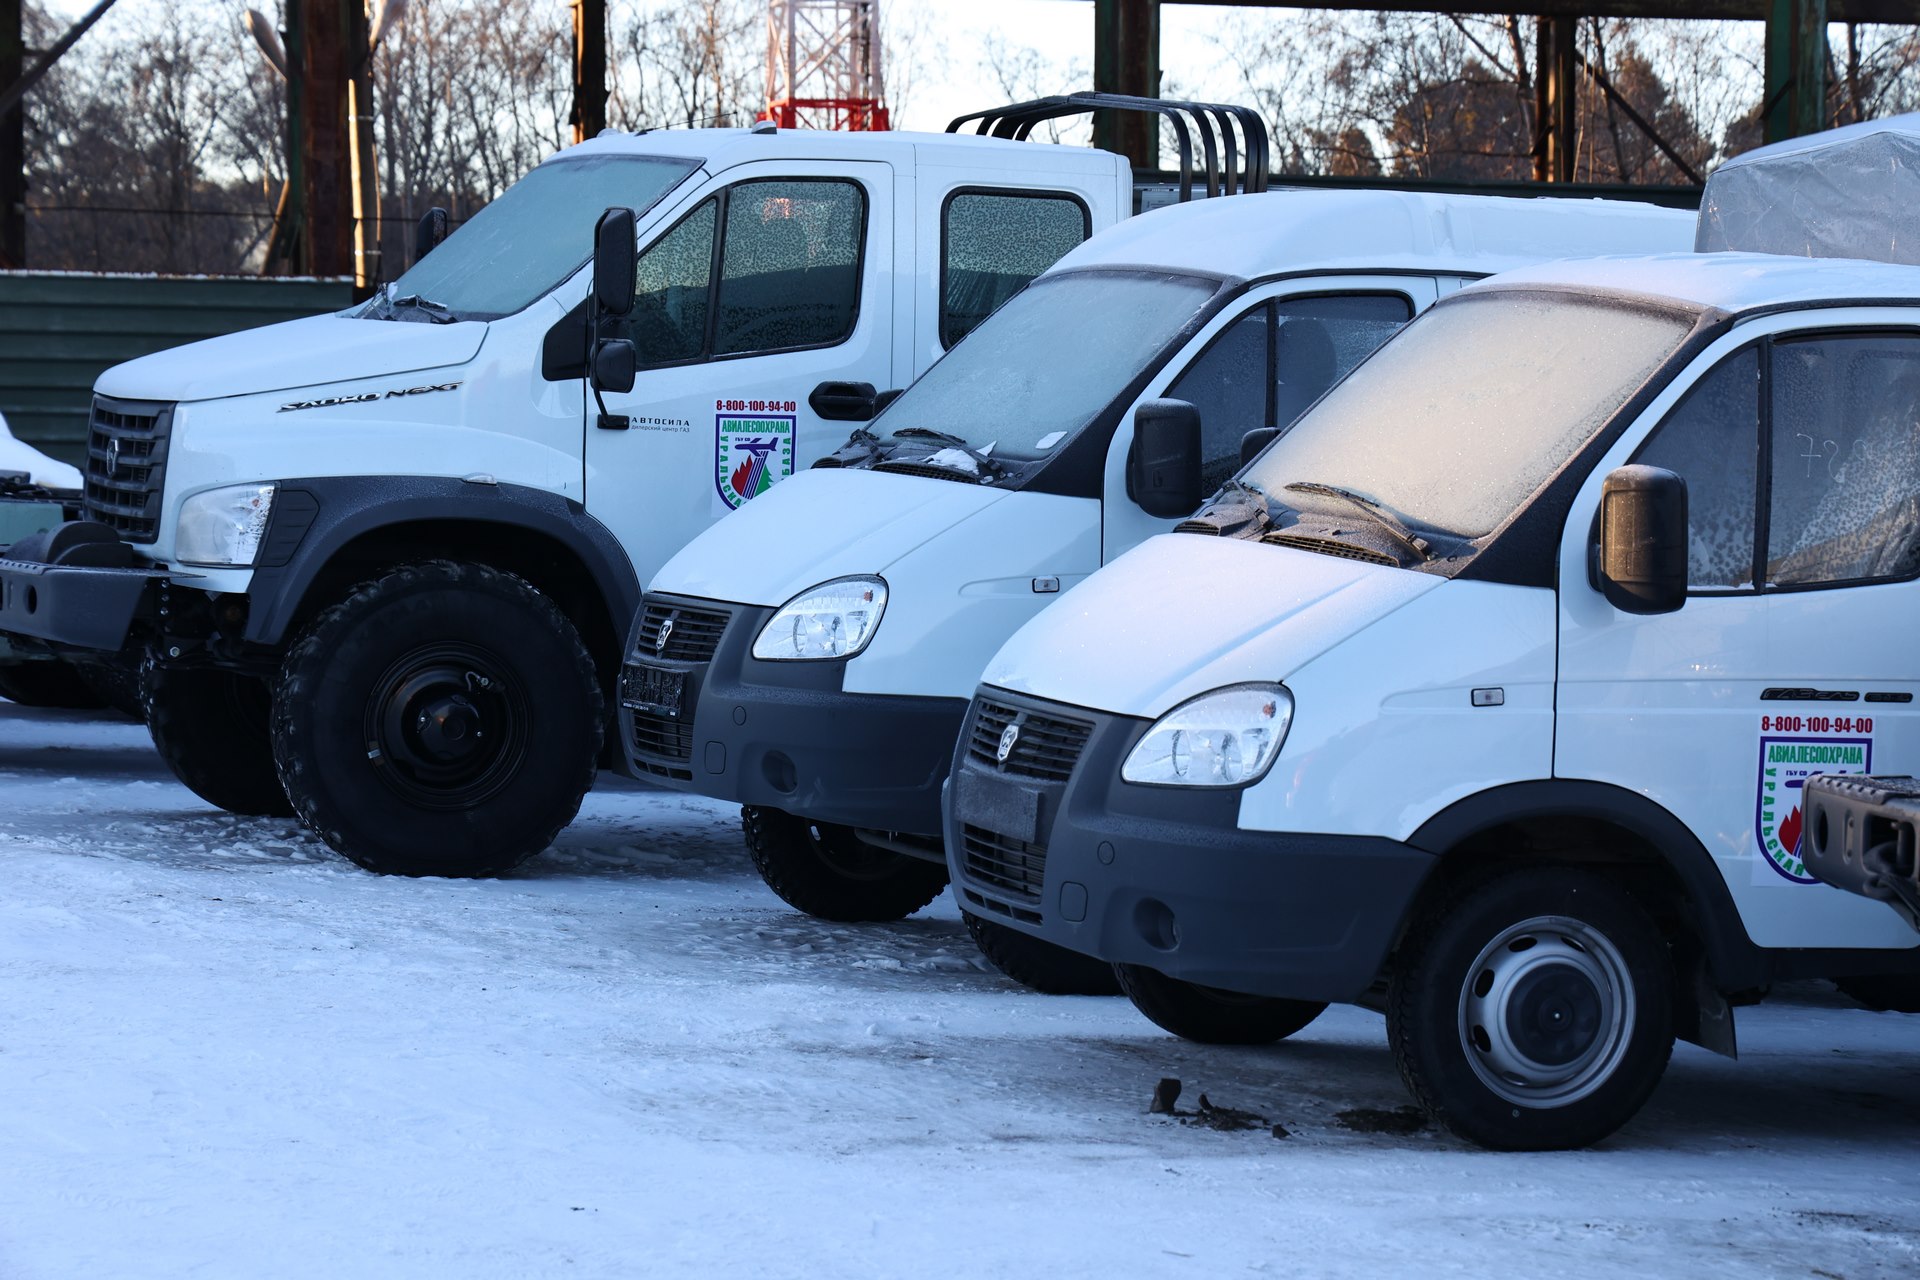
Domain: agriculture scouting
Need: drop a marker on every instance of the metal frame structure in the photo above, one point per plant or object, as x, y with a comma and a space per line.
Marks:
823, 65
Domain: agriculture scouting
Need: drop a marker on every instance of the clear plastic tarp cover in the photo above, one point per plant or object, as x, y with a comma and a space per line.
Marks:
1852, 192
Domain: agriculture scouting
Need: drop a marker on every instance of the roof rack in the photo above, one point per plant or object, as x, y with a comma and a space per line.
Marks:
1212, 123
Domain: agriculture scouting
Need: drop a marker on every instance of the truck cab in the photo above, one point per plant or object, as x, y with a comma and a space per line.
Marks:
812, 657
1486, 695
380, 564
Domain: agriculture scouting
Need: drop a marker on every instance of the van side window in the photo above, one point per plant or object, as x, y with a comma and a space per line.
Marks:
1845, 465
1266, 367
992, 245
671, 285
789, 265
1711, 439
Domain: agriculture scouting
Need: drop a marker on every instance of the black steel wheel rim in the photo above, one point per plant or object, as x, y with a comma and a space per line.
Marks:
446, 727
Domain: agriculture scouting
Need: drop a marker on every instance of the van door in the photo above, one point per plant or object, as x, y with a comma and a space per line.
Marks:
1801, 452
1260, 363
773, 283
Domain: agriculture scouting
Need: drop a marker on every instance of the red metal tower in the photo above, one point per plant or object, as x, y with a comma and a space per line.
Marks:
823, 65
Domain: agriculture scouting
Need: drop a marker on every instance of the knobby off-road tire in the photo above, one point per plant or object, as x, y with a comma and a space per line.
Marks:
211, 727
117, 684
47, 683
1533, 1010
1207, 1015
829, 872
1046, 968
1893, 993
441, 720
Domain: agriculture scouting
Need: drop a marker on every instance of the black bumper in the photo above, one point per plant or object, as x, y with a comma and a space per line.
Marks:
783, 735
1158, 876
81, 606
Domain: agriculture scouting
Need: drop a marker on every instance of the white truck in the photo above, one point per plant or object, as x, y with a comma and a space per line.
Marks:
382, 562
1487, 694
811, 658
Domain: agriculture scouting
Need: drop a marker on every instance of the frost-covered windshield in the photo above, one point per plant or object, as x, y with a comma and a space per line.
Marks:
1454, 423
1048, 362
535, 234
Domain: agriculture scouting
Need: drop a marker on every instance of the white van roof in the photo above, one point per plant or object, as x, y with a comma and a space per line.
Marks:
1732, 282
719, 149
1279, 232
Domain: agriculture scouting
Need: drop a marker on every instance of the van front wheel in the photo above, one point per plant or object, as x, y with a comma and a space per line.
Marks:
830, 873
1049, 969
1208, 1015
1533, 1011
211, 727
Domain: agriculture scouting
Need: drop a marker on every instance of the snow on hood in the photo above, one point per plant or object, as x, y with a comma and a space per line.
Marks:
823, 523
1181, 614
298, 353
18, 455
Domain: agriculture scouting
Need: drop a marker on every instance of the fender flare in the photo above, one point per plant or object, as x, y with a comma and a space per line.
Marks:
1732, 956
312, 519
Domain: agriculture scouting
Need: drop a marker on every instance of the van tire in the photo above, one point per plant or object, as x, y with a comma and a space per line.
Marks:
212, 727
116, 682
1883, 993
1049, 969
383, 707
1563, 944
48, 683
829, 873
1208, 1015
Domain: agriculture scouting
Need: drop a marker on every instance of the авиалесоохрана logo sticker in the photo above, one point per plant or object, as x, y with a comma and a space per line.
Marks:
752, 452
1787, 760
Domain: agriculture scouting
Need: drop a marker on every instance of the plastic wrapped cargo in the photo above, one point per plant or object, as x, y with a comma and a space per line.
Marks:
1852, 192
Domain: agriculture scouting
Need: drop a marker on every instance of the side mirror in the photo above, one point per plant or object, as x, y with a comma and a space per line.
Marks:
1640, 562
1255, 441
614, 361
614, 256
429, 232
1163, 467
844, 401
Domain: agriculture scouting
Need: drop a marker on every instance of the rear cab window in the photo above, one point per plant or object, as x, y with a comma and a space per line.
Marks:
993, 243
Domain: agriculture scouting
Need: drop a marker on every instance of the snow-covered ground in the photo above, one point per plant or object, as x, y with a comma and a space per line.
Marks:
225, 1051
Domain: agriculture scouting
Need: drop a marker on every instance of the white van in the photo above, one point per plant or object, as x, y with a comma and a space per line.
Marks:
811, 657
1485, 695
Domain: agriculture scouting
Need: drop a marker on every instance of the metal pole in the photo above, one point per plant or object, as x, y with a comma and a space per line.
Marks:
366, 172
1795, 101
1126, 59
327, 220
1554, 89
589, 68
13, 140
17, 84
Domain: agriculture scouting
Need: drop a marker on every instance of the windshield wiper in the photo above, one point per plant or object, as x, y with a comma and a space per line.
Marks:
435, 312
1385, 519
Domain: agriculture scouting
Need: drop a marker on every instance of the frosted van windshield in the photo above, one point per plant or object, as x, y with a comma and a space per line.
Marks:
1048, 362
532, 236
1458, 420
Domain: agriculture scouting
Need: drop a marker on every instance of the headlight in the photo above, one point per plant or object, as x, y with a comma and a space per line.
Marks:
832, 620
222, 527
1227, 738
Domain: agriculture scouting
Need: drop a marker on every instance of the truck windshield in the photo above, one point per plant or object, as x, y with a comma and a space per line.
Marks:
1454, 423
1048, 362
535, 234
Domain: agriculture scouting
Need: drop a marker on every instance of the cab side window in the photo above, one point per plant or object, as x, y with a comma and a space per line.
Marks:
1844, 499
1711, 439
1265, 368
992, 245
767, 265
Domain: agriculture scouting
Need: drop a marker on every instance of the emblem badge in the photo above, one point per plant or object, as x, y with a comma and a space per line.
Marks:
1008, 737
660, 640
752, 453
113, 456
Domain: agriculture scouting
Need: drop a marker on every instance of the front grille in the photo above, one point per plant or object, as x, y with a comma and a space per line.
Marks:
665, 737
1046, 747
996, 863
126, 465
693, 636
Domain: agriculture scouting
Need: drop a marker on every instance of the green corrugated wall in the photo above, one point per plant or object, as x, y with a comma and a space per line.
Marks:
59, 331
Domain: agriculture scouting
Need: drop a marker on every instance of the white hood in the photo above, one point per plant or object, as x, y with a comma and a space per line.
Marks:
18, 455
823, 523
1181, 614
299, 353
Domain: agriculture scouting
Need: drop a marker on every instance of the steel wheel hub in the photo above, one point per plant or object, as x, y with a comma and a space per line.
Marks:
443, 728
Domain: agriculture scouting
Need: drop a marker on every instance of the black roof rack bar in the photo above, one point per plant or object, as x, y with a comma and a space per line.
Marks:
1017, 121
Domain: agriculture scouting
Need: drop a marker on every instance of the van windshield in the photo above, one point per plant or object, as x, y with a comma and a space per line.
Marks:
1049, 362
1458, 420
532, 236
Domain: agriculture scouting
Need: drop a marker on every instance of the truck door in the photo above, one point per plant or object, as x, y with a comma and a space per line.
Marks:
1801, 452
1258, 364
770, 285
